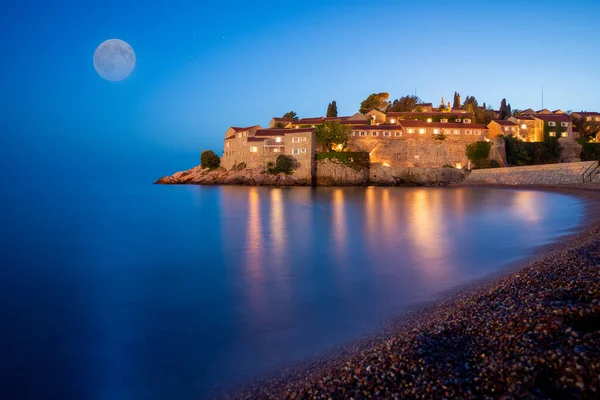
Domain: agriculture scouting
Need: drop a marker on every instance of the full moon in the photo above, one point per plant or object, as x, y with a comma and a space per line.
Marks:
114, 60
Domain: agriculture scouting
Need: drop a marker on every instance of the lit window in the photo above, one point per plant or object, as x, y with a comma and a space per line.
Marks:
429, 120
253, 149
564, 124
551, 123
467, 121
436, 131
523, 126
457, 132
392, 121
552, 134
275, 150
353, 133
227, 144
278, 139
507, 128
564, 134
422, 131
411, 131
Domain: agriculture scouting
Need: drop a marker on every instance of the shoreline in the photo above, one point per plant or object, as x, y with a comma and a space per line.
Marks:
534, 320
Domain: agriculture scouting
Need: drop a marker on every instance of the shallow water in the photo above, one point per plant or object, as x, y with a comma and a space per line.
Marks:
175, 291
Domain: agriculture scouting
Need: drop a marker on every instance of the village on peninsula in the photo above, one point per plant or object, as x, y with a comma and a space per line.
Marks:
408, 142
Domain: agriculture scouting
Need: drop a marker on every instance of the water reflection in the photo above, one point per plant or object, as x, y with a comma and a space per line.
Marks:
254, 254
428, 233
525, 206
339, 225
277, 225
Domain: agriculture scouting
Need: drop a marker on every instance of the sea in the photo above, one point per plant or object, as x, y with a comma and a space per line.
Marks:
141, 291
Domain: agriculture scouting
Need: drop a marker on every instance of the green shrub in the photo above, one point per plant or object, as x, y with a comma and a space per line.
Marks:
357, 160
520, 153
208, 159
590, 152
478, 153
283, 163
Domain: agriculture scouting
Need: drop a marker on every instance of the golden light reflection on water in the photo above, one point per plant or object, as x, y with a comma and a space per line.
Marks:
371, 210
254, 253
428, 232
277, 225
525, 206
339, 225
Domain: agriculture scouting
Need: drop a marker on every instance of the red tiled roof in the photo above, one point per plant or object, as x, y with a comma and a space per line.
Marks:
353, 121
309, 121
525, 118
396, 114
280, 119
587, 113
377, 127
553, 117
239, 129
256, 139
280, 131
504, 122
422, 124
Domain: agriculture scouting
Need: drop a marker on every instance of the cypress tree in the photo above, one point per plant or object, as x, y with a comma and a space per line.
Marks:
332, 109
456, 102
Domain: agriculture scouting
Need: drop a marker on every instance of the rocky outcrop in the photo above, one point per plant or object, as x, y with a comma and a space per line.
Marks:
402, 176
220, 176
335, 173
329, 173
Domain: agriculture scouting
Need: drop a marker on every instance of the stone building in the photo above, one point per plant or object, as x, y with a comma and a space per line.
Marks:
502, 127
389, 141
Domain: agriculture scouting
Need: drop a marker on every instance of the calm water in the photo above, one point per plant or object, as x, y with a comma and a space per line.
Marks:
155, 292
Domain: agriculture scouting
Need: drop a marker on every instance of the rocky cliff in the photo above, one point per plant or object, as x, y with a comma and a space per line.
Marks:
329, 173
220, 176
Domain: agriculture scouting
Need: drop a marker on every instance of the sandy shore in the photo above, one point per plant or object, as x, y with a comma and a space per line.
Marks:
533, 333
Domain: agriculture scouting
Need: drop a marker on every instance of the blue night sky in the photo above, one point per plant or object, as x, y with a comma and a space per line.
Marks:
202, 67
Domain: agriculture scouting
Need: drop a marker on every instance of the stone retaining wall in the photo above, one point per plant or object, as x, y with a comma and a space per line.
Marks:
334, 173
549, 174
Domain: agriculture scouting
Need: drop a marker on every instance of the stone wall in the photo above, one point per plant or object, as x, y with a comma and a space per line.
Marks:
334, 173
571, 150
549, 174
424, 153
397, 176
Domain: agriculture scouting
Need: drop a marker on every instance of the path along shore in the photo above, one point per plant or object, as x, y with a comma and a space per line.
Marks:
532, 333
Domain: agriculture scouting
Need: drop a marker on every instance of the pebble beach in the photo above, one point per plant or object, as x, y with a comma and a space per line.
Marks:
533, 332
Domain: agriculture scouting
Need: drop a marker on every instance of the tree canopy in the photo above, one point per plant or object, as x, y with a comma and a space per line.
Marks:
333, 136
405, 103
332, 109
291, 115
587, 129
375, 101
208, 159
